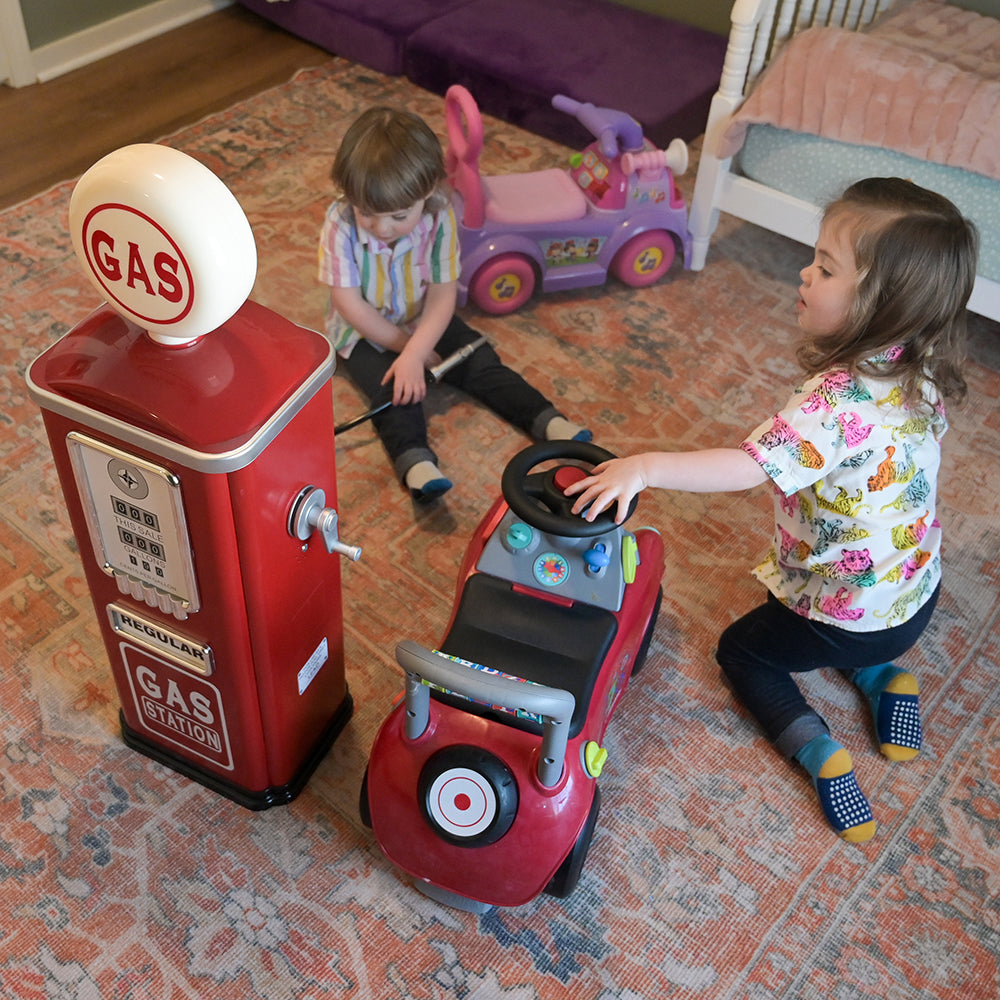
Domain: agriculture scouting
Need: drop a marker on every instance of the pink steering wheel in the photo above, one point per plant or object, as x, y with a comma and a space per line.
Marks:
465, 143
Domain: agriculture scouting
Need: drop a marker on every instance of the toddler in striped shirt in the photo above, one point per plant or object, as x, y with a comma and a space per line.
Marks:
389, 252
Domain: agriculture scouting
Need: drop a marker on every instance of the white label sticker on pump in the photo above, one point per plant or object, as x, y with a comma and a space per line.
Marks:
313, 664
137, 525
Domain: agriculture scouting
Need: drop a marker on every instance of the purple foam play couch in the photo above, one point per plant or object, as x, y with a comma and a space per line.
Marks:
370, 32
514, 55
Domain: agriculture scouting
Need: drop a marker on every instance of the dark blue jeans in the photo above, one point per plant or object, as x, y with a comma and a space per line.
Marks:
403, 429
760, 652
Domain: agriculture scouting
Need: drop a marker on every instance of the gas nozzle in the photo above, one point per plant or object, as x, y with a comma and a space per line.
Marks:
309, 513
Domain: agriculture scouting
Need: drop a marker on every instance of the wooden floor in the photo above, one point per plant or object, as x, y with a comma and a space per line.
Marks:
55, 130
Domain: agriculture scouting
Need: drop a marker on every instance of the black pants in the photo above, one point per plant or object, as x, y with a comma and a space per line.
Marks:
760, 652
403, 429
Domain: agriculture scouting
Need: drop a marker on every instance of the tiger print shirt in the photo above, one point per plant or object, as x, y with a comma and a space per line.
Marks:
856, 541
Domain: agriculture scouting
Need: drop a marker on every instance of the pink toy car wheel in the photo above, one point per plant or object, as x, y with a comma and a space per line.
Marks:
644, 259
504, 284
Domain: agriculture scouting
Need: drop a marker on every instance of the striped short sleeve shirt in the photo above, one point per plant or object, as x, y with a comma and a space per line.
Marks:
394, 278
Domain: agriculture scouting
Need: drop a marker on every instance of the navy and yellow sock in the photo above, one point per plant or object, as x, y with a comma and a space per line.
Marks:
893, 694
842, 801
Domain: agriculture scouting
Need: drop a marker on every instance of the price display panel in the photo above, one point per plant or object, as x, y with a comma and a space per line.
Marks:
136, 519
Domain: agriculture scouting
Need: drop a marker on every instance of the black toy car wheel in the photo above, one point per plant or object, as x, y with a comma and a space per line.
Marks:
647, 638
364, 806
568, 873
468, 796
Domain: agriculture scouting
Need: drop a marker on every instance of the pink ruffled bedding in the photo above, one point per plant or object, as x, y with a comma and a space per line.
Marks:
967, 40
889, 89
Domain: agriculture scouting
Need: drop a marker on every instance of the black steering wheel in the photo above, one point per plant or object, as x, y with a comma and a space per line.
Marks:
538, 499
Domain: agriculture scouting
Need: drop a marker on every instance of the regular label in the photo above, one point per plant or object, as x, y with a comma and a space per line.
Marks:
152, 635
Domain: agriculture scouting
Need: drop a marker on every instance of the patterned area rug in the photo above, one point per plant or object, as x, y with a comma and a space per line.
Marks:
712, 873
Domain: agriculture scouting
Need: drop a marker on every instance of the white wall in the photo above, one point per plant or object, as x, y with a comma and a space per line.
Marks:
15, 57
21, 65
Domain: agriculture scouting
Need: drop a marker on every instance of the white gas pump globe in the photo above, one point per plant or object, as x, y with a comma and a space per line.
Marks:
163, 240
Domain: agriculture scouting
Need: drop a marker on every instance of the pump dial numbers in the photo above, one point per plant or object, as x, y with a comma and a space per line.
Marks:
142, 544
146, 518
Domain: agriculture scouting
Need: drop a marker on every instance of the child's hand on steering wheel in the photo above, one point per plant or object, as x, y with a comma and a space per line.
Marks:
617, 480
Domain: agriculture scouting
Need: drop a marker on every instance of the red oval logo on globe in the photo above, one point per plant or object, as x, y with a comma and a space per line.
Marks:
138, 264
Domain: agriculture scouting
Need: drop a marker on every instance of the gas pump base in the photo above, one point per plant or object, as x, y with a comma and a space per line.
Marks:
257, 800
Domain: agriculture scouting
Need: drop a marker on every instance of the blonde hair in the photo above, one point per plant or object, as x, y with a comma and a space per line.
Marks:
916, 259
389, 160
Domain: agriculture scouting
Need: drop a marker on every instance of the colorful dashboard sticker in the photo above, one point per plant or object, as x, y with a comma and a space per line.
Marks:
520, 713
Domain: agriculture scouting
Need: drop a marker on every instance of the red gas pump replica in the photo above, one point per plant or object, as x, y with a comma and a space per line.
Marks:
192, 431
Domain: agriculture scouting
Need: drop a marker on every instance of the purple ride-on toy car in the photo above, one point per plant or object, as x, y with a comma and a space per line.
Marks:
616, 209
481, 784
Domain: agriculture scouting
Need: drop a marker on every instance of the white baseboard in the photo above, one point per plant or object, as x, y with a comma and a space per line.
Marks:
117, 34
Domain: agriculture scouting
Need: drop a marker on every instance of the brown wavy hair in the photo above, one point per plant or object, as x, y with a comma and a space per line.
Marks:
916, 257
388, 160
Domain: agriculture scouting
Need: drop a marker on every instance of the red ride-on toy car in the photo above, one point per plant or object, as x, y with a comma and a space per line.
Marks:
482, 783
616, 210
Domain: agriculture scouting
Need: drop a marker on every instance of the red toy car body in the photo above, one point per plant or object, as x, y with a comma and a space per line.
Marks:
481, 784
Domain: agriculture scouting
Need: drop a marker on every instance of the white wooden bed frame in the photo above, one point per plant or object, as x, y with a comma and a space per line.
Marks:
759, 28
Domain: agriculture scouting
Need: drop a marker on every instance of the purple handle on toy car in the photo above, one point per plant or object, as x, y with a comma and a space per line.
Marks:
616, 131
554, 705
